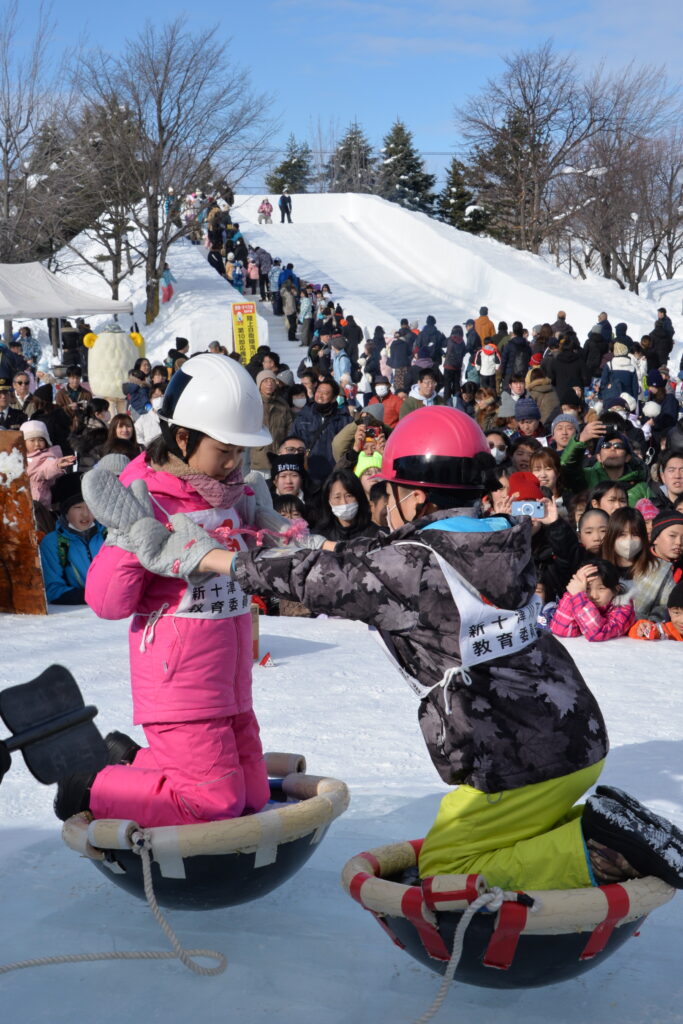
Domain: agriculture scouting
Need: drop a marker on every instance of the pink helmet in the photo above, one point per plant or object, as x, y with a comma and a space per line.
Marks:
439, 447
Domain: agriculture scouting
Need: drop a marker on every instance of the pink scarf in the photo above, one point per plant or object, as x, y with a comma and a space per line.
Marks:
218, 493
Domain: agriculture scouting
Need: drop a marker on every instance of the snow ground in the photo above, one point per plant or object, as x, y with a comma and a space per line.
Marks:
307, 953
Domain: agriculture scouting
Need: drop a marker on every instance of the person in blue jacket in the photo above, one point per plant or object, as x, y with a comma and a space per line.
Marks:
67, 552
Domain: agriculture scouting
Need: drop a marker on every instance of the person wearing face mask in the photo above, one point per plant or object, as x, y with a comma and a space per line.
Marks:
345, 512
498, 446
507, 717
383, 395
317, 424
649, 578
67, 553
148, 426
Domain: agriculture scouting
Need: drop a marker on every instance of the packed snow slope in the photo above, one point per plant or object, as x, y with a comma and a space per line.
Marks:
383, 263
306, 953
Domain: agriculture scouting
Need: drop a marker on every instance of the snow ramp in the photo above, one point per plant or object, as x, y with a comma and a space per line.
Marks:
383, 263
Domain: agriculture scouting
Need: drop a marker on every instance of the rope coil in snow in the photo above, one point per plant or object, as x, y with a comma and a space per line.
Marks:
142, 846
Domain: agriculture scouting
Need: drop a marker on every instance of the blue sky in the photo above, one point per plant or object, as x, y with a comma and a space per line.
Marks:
330, 61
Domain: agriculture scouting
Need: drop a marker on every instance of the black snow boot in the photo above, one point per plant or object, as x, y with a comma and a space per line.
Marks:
650, 843
122, 749
73, 794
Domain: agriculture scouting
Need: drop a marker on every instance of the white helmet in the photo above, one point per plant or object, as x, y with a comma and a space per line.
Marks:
215, 395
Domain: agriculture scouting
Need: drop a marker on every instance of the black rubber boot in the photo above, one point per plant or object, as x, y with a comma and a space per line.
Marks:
650, 843
122, 749
73, 795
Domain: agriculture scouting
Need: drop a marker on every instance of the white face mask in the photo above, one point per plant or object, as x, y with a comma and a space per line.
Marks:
628, 547
298, 403
157, 402
382, 390
346, 512
499, 455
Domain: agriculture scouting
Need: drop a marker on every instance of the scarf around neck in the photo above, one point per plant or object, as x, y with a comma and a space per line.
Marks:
218, 493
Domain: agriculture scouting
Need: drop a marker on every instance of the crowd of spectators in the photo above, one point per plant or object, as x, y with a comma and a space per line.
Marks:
587, 437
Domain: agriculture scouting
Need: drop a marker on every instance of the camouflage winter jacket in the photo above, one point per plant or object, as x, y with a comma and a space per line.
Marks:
518, 719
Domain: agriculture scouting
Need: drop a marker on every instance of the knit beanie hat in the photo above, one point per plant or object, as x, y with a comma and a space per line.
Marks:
526, 409
620, 349
286, 377
565, 417
35, 428
508, 406
630, 401
287, 462
536, 359
568, 396
44, 392
675, 599
264, 375
526, 485
664, 520
647, 509
372, 461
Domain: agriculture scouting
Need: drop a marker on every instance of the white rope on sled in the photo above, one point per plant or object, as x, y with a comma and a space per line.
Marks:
492, 900
142, 846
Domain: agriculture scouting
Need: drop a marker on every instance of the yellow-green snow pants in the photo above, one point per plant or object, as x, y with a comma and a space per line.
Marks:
526, 838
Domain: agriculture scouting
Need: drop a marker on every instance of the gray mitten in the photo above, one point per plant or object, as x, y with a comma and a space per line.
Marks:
127, 513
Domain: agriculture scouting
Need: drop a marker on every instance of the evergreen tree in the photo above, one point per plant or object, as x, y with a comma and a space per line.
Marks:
457, 205
352, 165
294, 172
402, 177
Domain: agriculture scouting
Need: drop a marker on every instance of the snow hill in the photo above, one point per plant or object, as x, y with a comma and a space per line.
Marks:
382, 263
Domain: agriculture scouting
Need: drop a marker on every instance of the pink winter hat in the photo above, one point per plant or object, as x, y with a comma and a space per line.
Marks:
647, 509
35, 428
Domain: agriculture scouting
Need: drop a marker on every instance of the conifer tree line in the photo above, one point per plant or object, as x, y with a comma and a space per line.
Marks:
587, 170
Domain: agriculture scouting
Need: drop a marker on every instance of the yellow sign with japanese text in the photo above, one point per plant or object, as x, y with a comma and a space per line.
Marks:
244, 330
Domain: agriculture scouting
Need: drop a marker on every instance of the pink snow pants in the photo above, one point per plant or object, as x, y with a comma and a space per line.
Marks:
190, 772
167, 293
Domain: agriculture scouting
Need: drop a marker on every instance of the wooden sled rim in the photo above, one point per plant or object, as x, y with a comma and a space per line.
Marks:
321, 800
557, 911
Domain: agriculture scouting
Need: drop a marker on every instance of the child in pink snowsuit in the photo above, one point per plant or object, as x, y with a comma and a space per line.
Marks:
190, 664
45, 463
190, 645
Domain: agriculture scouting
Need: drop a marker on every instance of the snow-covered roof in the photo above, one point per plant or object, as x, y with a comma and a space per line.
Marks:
29, 291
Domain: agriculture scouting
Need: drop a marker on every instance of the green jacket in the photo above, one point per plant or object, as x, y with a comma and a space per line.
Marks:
411, 404
580, 477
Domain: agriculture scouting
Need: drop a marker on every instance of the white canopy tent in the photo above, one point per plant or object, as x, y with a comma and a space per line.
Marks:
30, 292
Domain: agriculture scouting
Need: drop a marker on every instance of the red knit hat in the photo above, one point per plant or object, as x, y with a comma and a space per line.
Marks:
525, 486
536, 359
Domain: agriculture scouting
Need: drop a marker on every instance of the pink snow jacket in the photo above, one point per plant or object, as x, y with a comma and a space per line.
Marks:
182, 668
576, 614
43, 469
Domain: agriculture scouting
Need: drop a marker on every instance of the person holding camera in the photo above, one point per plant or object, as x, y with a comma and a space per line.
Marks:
554, 545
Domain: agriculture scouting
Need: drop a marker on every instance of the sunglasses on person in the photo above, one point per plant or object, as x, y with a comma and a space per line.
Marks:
22, 382
291, 450
617, 446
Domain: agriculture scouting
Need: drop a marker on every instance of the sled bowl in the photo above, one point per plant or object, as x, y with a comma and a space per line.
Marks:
542, 938
219, 863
